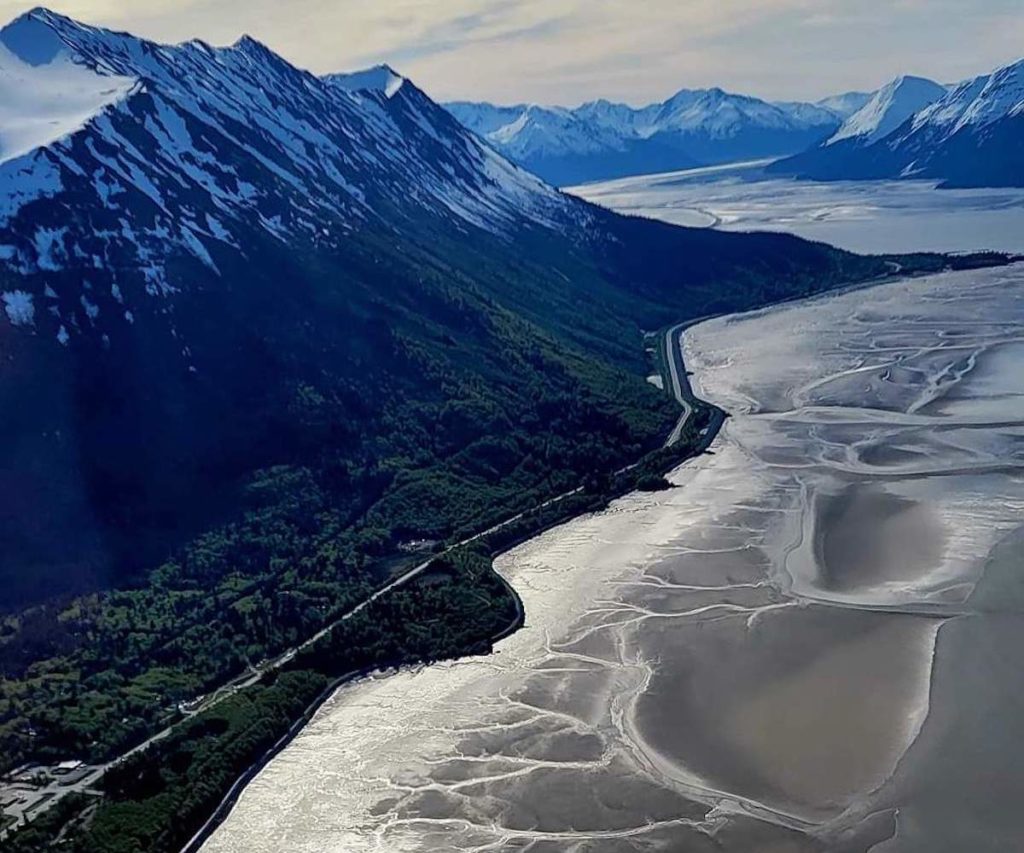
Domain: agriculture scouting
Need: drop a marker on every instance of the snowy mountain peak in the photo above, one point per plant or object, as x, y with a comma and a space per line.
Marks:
46, 91
967, 135
888, 108
42, 34
723, 114
254, 47
379, 78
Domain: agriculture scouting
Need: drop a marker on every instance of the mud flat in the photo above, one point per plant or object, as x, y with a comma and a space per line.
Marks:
864, 216
812, 644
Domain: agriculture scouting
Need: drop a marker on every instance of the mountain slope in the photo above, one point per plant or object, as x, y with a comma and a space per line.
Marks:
974, 136
159, 269
601, 139
970, 135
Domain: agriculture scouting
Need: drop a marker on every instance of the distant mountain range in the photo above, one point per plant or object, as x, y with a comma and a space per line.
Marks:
694, 127
967, 134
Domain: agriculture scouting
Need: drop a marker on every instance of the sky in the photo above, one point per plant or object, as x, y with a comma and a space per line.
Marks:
570, 51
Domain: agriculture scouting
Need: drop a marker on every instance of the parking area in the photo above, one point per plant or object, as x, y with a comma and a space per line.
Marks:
28, 789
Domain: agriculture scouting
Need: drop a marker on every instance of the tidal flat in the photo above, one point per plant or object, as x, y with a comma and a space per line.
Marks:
863, 216
812, 644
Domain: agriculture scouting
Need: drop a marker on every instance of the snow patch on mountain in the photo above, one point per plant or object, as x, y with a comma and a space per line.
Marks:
26, 179
19, 307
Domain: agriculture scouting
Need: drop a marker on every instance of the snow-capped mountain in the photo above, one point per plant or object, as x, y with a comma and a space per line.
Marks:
601, 139
970, 134
976, 104
721, 114
186, 232
887, 109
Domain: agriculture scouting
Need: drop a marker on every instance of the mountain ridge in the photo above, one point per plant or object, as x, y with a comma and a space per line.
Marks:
853, 135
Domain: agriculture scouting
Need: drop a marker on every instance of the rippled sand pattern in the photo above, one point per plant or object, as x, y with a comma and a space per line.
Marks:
812, 644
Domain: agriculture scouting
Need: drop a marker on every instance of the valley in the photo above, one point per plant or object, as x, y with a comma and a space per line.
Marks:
364, 490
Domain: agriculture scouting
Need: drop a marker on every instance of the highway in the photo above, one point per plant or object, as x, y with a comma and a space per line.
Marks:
677, 378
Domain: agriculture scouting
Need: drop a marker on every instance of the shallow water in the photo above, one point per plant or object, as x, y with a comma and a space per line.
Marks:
814, 644
863, 216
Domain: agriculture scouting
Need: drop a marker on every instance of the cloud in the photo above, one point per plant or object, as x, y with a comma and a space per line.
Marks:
566, 51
